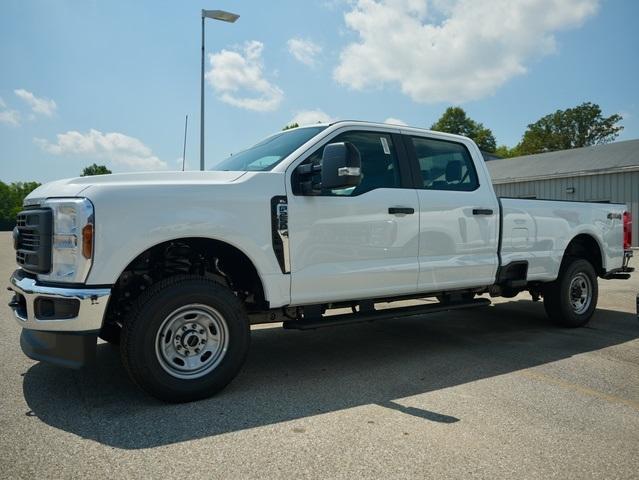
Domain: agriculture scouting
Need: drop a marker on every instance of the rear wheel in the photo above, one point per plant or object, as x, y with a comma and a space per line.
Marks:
185, 339
570, 301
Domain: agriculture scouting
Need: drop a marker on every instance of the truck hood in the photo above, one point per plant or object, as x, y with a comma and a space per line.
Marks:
73, 187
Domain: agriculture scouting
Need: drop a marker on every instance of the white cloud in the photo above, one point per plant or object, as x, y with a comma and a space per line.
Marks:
238, 79
39, 105
451, 51
395, 121
304, 51
116, 148
309, 117
8, 116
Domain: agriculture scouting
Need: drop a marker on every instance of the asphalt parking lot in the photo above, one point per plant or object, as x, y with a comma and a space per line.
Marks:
496, 392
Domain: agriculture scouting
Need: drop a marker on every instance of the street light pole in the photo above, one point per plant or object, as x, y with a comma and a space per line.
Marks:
202, 102
224, 17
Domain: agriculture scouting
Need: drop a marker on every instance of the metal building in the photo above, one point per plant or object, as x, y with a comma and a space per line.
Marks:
603, 173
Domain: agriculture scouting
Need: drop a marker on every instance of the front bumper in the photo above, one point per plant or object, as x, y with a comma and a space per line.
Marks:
60, 324
57, 309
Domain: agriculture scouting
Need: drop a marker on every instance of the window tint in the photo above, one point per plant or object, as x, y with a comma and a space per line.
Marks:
445, 165
379, 161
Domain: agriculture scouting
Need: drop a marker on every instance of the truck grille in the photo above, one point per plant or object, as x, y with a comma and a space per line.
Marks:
32, 240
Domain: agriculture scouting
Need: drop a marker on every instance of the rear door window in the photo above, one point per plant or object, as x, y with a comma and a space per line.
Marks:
444, 165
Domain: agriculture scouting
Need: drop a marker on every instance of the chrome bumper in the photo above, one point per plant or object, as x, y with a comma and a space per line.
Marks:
91, 305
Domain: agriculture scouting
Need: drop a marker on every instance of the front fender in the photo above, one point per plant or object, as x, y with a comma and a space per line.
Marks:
130, 220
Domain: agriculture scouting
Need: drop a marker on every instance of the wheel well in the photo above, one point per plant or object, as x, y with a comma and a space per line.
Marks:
586, 247
209, 258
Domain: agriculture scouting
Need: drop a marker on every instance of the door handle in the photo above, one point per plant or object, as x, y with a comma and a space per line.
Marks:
401, 210
482, 211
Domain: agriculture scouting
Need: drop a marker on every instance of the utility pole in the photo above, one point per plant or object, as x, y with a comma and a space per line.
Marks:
186, 124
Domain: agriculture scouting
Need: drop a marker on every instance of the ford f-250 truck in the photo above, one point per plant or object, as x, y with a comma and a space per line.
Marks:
176, 266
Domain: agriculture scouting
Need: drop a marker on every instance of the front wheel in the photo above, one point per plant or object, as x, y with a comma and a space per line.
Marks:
185, 339
570, 301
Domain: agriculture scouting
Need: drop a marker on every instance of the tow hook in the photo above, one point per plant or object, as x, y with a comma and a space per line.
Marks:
14, 303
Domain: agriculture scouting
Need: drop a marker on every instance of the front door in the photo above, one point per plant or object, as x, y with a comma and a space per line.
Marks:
358, 242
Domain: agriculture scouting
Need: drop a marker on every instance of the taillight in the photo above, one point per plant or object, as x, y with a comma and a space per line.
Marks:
627, 231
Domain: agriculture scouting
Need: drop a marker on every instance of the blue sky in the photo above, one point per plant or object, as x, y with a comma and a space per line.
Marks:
111, 81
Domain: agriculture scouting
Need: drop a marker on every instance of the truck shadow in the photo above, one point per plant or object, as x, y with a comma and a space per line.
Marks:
292, 375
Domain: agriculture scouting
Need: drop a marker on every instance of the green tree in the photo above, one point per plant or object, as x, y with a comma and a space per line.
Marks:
11, 198
454, 120
6, 205
504, 151
580, 126
288, 127
95, 170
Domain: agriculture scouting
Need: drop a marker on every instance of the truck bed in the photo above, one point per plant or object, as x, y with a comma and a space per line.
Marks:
538, 231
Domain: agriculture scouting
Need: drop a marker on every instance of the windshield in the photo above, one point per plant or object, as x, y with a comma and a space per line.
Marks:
269, 152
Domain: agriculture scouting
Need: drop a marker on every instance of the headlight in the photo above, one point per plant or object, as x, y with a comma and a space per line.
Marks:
72, 242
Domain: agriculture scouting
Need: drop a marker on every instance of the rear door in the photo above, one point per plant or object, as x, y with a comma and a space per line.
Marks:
459, 215
358, 242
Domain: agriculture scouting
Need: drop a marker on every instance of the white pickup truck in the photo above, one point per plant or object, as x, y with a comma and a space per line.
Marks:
176, 266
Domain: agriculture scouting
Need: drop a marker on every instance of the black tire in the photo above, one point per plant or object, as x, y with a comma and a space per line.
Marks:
561, 296
142, 340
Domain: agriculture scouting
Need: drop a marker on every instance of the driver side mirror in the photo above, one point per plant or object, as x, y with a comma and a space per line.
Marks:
341, 166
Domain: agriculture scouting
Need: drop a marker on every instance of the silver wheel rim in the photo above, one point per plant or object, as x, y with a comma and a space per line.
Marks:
192, 341
580, 292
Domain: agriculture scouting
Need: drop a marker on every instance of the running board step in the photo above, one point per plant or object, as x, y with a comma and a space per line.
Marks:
516, 283
617, 276
388, 313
